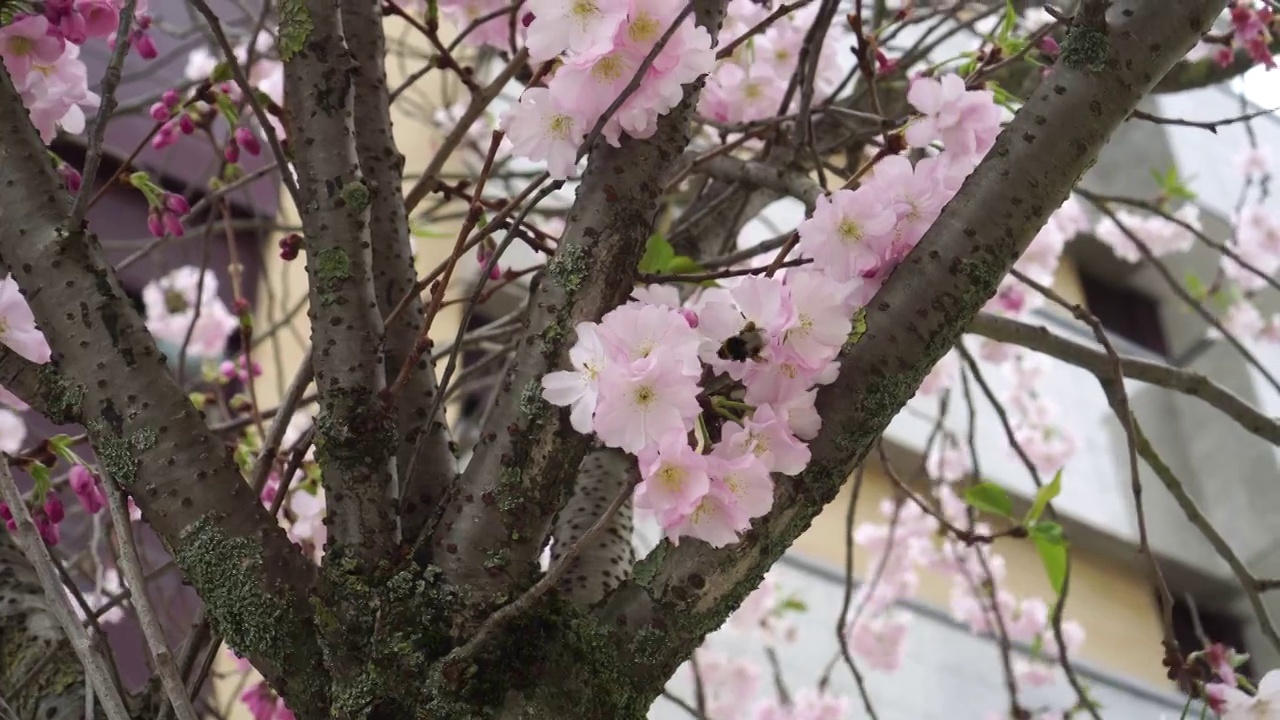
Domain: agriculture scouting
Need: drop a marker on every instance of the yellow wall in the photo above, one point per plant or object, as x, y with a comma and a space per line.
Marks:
1114, 604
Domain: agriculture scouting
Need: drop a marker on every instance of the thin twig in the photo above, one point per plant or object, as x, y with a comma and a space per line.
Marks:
110, 82
135, 580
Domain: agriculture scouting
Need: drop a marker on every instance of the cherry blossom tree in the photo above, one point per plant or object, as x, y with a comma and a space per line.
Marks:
383, 559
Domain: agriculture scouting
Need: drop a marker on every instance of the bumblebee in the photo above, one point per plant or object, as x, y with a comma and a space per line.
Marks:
746, 345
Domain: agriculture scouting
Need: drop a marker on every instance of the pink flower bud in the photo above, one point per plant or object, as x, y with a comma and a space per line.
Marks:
690, 317
228, 370
160, 112
176, 203
48, 531
164, 137
53, 507
231, 151
73, 28
186, 124
1049, 46
247, 140
172, 224
87, 489
289, 246
171, 98
145, 47
70, 177
154, 224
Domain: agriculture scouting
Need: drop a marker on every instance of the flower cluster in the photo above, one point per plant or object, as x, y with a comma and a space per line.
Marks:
907, 543
737, 366
1251, 31
602, 45
41, 52
1161, 235
750, 83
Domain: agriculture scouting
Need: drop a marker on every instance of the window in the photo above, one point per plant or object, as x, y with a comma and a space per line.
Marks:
1196, 626
1126, 312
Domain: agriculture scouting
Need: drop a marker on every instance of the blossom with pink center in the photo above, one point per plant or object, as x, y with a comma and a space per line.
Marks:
642, 402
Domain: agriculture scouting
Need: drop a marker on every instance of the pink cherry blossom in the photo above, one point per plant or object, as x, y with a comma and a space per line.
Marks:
636, 331
541, 128
578, 389
768, 438
967, 121
25, 44
585, 27
674, 477
880, 642
1233, 704
711, 520
171, 303
642, 402
18, 329
848, 233
1159, 235
743, 483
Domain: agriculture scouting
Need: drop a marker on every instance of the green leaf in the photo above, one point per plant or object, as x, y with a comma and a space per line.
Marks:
684, 265
41, 475
658, 254
1043, 498
1051, 545
221, 73
1196, 287
792, 604
223, 101
989, 497
1007, 24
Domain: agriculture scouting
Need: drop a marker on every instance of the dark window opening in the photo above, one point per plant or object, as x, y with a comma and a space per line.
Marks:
1198, 625
1126, 312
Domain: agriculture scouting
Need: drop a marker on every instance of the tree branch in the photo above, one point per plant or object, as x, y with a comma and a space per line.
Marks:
107, 374
417, 432
355, 431
681, 593
605, 561
1043, 340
